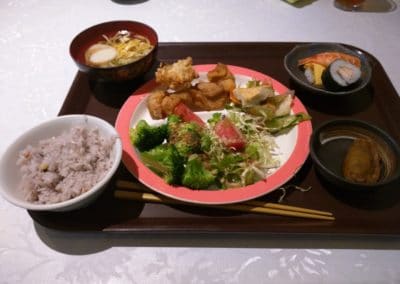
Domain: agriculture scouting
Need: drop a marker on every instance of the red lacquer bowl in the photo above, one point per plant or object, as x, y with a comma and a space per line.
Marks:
94, 34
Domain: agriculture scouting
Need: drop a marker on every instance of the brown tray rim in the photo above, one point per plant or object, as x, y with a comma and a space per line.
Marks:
196, 231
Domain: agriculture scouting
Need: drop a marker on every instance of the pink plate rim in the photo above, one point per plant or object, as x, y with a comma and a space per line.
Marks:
226, 196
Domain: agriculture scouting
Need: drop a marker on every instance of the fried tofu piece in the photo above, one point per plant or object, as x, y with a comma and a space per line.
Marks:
177, 76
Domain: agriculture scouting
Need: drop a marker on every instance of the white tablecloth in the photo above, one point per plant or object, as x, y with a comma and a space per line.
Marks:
35, 75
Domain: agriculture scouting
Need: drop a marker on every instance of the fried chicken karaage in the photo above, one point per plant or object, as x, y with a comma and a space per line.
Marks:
176, 76
223, 77
176, 85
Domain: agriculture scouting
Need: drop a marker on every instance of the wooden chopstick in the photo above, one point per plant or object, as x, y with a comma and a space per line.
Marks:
133, 186
248, 206
142, 188
287, 207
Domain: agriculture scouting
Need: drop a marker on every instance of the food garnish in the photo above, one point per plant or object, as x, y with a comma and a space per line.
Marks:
122, 48
100, 54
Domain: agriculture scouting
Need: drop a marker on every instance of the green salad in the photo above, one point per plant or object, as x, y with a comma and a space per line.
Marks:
234, 148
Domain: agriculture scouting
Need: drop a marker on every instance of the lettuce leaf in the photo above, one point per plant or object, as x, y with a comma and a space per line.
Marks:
282, 123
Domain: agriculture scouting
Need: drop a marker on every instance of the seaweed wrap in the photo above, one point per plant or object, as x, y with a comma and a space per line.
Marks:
340, 75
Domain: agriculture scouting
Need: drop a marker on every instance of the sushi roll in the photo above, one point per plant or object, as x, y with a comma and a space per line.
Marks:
340, 75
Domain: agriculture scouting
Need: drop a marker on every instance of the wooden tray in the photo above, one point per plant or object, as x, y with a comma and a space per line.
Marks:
376, 213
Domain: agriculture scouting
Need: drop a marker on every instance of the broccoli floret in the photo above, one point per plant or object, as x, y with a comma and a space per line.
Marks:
166, 162
189, 139
173, 122
206, 143
195, 175
145, 137
186, 136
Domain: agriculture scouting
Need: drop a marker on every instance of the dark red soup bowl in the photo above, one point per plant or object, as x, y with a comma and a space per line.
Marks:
95, 34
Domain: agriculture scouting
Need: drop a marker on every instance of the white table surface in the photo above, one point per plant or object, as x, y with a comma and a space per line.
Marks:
36, 73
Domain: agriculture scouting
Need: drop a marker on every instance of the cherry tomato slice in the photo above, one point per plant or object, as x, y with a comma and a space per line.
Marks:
230, 136
187, 114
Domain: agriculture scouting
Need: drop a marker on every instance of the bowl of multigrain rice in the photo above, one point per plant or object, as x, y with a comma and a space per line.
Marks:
60, 165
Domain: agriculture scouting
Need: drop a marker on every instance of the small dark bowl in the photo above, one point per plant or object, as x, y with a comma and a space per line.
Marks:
94, 34
303, 51
331, 141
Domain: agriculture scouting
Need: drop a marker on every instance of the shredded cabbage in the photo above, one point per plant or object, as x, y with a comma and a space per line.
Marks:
236, 169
